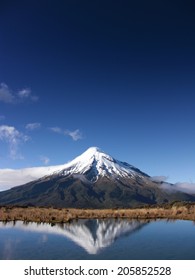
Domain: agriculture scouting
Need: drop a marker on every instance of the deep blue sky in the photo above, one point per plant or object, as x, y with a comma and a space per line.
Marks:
119, 75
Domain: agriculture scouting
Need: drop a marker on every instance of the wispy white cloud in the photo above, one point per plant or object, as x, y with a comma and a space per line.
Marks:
13, 177
56, 129
170, 188
8, 96
33, 126
44, 159
25, 94
180, 186
186, 187
75, 134
14, 138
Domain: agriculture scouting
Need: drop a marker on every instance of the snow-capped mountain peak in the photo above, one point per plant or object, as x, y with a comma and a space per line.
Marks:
94, 163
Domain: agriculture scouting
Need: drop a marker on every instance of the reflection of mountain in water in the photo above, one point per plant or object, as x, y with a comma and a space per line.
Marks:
92, 235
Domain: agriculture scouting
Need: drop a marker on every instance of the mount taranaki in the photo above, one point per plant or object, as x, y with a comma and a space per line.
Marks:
93, 180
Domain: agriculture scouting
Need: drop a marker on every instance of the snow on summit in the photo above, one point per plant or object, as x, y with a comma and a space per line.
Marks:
99, 163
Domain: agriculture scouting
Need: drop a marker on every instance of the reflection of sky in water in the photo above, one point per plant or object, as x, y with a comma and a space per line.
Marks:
98, 239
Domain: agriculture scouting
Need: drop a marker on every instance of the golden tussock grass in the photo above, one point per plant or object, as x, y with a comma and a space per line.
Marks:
185, 211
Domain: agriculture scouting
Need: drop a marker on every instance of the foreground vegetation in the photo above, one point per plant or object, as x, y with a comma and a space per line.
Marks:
181, 211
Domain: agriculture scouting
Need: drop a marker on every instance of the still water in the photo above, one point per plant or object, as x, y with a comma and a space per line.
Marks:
98, 239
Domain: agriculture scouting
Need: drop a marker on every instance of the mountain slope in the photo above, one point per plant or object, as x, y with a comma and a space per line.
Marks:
92, 180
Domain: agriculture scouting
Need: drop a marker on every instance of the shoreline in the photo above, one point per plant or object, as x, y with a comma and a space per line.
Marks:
64, 215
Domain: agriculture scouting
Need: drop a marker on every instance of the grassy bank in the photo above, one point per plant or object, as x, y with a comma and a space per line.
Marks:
52, 215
